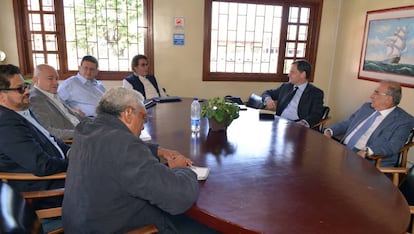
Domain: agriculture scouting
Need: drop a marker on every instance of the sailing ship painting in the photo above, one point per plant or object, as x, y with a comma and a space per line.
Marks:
396, 45
390, 47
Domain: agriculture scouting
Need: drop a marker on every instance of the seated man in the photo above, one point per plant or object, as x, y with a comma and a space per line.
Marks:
377, 128
25, 146
115, 182
52, 113
297, 100
82, 92
140, 80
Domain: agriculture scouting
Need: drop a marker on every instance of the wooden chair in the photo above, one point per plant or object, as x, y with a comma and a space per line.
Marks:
400, 170
325, 117
33, 225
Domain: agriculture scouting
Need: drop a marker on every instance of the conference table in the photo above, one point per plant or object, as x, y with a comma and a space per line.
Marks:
275, 176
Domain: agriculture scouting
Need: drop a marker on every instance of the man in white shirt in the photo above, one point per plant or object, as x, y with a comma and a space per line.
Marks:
379, 127
58, 118
83, 90
141, 81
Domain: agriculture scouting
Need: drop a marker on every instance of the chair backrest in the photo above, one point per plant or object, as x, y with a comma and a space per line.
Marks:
255, 101
324, 119
234, 99
16, 215
33, 195
403, 153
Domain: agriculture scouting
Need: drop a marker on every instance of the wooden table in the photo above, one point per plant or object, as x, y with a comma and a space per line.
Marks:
279, 177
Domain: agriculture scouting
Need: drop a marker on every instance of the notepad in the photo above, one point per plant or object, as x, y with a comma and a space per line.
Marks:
145, 136
202, 172
267, 114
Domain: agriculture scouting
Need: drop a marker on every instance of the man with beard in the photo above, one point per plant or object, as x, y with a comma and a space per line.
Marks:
26, 146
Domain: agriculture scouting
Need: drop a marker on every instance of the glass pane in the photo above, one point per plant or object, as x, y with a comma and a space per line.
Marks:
37, 42
244, 41
301, 50
304, 15
287, 65
33, 5
291, 32
48, 5
34, 22
72, 56
293, 14
49, 22
303, 33
38, 58
290, 49
53, 60
51, 43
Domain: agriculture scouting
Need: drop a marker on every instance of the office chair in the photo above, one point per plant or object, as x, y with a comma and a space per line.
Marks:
322, 123
400, 170
30, 218
255, 101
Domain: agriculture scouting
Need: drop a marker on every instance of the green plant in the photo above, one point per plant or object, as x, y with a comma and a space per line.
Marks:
219, 109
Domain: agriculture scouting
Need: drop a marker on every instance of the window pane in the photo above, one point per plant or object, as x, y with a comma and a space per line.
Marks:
293, 14
291, 32
33, 5
37, 42
300, 53
39, 58
244, 37
51, 43
48, 5
49, 22
53, 60
304, 15
35, 24
303, 33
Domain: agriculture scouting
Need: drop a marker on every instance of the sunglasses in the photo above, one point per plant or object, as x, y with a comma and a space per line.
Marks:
20, 89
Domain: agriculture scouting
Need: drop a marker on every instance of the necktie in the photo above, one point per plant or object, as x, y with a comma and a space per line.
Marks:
284, 102
357, 135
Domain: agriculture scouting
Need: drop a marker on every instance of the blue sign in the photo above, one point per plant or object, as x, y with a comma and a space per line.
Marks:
178, 39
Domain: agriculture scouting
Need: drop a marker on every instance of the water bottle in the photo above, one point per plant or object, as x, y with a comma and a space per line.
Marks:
195, 116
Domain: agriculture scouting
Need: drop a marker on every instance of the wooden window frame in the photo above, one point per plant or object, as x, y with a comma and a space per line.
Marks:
311, 47
25, 50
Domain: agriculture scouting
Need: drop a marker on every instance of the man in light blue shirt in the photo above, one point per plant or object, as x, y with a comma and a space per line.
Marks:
83, 91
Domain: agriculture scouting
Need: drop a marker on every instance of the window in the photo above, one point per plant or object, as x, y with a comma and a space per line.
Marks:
60, 33
258, 40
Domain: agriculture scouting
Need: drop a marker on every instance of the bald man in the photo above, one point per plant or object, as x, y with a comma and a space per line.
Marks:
49, 109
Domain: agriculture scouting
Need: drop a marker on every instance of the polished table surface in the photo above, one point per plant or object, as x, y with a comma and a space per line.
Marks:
279, 177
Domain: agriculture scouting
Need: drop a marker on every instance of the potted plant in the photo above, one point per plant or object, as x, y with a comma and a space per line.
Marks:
219, 112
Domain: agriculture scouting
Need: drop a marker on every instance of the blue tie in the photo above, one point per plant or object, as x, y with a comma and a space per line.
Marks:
354, 139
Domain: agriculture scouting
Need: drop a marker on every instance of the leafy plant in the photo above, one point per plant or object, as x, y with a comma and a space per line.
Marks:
219, 109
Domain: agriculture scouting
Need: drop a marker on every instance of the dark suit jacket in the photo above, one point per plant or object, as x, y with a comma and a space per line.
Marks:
50, 116
138, 86
25, 149
310, 107
389, 136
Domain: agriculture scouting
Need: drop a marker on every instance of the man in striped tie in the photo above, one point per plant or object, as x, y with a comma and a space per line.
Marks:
377, 128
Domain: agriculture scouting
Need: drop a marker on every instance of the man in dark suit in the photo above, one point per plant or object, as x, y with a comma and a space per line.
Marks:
140, 80
52, 113
297, 100
25, 146
388, 130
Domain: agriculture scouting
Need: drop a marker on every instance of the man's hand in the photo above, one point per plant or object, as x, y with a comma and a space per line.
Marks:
174, 157
179, 161
328, 133
270, 104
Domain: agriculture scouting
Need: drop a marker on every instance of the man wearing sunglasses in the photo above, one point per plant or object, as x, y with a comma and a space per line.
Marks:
25, 146
378, 127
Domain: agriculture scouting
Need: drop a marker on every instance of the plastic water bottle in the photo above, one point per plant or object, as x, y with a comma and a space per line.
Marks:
195, 115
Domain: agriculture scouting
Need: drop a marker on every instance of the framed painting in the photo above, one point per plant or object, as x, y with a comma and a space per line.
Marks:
388, 46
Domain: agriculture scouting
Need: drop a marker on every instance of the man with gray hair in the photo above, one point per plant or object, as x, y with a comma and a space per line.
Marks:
115, 182
379, 127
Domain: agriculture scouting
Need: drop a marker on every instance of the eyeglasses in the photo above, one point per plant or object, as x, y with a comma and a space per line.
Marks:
378, 93
20, 89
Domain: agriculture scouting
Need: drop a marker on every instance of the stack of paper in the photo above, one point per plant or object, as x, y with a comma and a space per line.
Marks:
202, 172
145, 136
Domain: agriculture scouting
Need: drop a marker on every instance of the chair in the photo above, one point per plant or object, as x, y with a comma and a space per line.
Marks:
322, 123
33, 225
255, 101
233, 99
400, 170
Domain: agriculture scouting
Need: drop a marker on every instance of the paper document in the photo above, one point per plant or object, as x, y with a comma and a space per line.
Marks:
202, 172
145, 136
